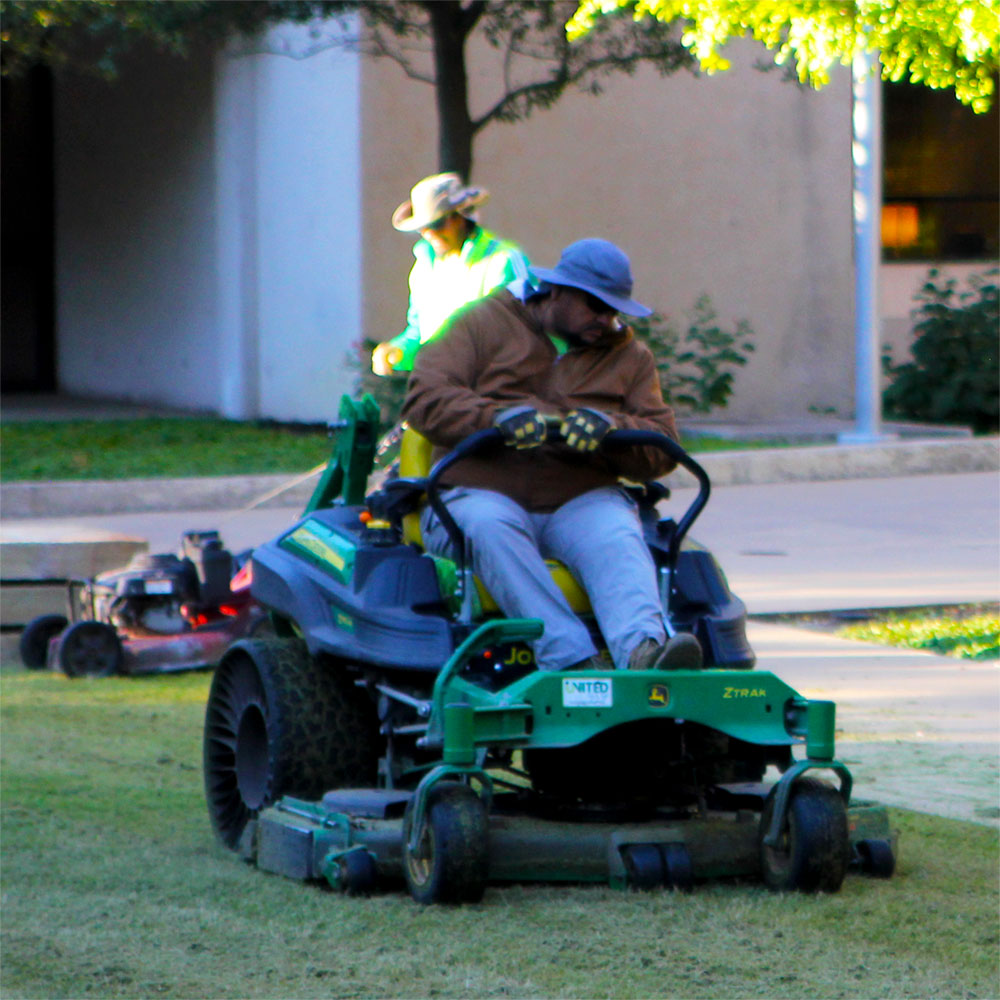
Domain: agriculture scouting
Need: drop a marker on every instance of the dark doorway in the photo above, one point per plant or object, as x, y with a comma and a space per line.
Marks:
27, 238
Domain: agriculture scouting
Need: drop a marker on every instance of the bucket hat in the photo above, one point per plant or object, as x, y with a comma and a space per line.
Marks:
600, 268
433, 198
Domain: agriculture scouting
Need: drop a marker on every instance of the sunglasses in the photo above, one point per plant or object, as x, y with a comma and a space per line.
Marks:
597, 306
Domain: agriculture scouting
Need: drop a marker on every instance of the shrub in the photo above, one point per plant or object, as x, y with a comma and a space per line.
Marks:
953, 377
696, 369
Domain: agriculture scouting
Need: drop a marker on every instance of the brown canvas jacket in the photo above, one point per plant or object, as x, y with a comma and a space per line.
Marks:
493, 356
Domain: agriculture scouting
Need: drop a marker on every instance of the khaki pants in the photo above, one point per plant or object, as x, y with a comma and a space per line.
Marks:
597, 536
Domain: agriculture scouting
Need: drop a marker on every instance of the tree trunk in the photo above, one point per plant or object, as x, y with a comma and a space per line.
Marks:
449, 29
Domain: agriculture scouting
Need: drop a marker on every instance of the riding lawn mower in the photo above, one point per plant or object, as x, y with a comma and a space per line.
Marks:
396, 727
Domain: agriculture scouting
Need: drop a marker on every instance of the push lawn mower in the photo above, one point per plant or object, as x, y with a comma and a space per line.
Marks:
161, 613
397, 726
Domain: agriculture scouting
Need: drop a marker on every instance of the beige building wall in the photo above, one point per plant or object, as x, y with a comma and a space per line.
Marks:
737, 185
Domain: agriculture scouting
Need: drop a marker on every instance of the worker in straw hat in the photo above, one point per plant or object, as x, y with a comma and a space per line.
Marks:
457, 261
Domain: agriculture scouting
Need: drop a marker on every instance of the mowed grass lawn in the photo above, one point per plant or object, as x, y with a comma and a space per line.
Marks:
112, 886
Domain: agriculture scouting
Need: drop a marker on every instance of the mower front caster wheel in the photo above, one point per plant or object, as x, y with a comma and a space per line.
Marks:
813, 848
643, 866
451, 860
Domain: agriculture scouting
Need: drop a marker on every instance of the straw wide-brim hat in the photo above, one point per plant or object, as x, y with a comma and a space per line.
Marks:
433, 198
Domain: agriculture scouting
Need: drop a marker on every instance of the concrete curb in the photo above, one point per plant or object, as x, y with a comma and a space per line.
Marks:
734, 468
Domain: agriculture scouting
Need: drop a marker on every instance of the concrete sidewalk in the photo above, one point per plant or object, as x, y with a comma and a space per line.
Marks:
784, 547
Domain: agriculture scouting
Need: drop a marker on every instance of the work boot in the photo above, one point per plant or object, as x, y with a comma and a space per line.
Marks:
680, 652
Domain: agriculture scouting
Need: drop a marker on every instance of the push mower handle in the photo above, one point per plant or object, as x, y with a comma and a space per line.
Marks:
490, 437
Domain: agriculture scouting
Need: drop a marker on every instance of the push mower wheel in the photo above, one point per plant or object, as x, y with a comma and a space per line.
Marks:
643, 866
876, 858
34, 642
813, 851
451, 862
279, 723
90, 649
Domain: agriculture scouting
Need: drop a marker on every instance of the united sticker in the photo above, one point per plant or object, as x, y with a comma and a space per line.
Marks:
581, 692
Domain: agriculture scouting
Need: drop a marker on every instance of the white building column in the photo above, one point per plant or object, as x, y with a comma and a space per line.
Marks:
289, 228
236, 236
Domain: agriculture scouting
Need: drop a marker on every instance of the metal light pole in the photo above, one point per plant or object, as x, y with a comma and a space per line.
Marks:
867, 156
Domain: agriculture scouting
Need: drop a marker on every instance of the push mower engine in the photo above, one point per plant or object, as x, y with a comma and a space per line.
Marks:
164, 593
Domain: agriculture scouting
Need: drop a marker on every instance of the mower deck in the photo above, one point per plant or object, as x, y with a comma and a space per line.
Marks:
310, 841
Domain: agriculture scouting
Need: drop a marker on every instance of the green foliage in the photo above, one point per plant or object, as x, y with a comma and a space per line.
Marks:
974, 638
954, 375
94, 34
940, 43
696, 368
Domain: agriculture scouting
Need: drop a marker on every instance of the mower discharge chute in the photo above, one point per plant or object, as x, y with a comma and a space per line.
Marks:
397, 727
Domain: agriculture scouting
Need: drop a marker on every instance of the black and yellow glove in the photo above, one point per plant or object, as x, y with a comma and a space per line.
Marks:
584, 429
521, 427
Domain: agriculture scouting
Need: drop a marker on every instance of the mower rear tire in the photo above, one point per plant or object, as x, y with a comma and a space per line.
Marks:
34, 642
451, 862
278, 722
814, 850
90, 649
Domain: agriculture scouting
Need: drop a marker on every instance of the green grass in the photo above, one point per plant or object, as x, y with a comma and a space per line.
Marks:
134, 449
196, 446
113, 887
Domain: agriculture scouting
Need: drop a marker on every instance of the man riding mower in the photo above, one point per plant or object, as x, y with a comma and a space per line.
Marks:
412, 722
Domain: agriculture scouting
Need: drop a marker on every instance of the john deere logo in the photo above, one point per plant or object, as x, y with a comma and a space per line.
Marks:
659, 696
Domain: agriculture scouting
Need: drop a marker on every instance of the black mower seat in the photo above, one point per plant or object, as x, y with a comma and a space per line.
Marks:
415, 462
